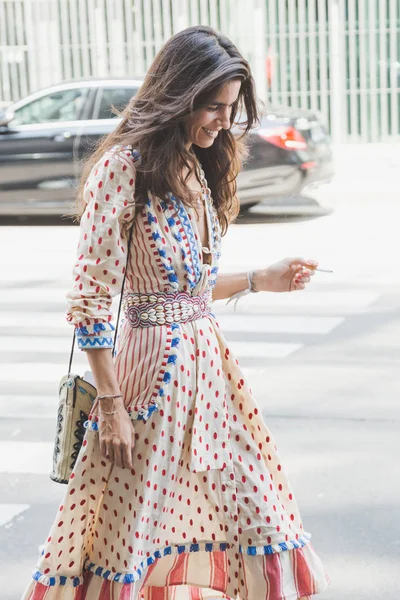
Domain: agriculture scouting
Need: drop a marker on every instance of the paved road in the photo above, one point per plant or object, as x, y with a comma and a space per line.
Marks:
324, 366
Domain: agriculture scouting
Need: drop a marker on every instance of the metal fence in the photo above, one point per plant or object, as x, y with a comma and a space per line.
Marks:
45, 41
340, 57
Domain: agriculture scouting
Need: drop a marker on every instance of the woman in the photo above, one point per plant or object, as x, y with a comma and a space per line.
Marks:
178, 491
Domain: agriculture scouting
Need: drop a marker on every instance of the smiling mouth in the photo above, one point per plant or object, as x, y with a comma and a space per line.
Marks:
210, 132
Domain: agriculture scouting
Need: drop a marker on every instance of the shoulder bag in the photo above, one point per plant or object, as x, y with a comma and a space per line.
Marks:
76, 398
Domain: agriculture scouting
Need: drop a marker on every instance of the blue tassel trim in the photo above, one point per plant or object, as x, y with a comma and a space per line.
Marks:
171, 360
94, 328
188, 261
91, 425
189, 233
144, 413
150, 217
162, 252
167, 551
213, 277
82, 331
127, 578
164, 205
95, 335
57, 580
136, 155
274, 548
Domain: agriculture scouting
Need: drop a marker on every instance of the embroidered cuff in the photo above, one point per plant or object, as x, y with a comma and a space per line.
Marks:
96, 335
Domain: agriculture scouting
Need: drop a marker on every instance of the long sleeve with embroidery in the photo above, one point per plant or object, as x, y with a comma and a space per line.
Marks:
102, 249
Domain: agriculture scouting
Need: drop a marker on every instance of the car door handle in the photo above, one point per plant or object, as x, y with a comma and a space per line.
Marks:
62, 137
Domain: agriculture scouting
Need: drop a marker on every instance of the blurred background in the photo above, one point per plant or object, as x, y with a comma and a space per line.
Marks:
340, 57
322, 181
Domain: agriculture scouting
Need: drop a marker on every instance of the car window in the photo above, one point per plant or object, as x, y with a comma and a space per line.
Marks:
118, 97
65, 105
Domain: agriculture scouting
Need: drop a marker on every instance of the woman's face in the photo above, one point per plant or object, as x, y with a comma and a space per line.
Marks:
203, 126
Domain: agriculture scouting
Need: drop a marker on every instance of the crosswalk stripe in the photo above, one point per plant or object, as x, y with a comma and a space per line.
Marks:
23, 320
28, 407
247, 323
346, 300
36, 344
37, 372
277, 324
17, 457
338, 302
33, 295
263, 349
10, 511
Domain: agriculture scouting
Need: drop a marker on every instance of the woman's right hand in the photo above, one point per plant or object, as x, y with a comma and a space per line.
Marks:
116, 434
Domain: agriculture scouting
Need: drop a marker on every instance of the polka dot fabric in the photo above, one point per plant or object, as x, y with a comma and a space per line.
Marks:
101, 255
207, 511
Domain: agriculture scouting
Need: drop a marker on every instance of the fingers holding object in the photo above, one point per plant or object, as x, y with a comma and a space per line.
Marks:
299, 285
299, 262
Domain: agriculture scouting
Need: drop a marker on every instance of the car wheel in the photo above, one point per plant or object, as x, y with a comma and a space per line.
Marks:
244, 209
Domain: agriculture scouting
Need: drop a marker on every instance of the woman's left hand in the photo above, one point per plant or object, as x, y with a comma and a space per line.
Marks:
287, 275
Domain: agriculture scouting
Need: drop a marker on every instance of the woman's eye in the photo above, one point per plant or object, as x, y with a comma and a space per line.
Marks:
212, 108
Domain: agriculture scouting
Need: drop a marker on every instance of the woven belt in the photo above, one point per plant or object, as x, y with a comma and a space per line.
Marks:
159, 308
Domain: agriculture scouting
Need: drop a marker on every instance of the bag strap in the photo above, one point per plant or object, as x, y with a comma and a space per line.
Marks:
119, 307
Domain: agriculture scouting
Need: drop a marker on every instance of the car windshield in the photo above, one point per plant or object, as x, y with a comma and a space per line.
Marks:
63, 105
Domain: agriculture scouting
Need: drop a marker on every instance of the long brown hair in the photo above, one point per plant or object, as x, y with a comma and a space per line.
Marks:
185, 76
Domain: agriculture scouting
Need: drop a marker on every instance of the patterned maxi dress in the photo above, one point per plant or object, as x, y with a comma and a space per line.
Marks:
207, 510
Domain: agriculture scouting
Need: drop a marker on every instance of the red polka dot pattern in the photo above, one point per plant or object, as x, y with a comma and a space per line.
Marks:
207, 502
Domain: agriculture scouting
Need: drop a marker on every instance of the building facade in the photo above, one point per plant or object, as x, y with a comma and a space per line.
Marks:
338, 57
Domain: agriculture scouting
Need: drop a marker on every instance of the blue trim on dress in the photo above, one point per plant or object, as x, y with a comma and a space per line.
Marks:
171, 360
95, 342
161, 248
274, 548
175, 225
95, 335
145, 412
128, 578
187, 226
94, 328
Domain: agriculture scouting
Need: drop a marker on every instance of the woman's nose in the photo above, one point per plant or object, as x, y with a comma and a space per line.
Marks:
225, 118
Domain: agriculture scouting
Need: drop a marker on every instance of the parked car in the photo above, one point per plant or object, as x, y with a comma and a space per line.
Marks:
44, 136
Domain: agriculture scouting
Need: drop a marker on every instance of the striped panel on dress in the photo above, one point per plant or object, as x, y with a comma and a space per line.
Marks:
147, 349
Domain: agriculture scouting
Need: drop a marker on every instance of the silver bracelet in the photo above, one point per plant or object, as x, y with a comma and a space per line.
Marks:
251, 289
250, 279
